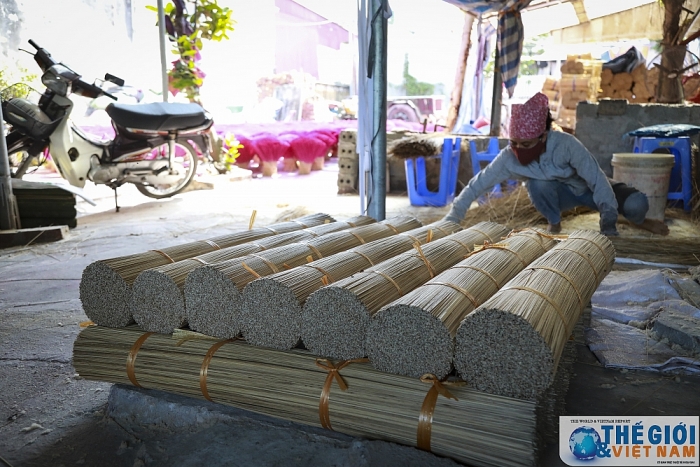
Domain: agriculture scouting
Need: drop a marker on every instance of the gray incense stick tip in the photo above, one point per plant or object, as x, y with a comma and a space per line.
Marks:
501, 353
408, 340
157, 303
334, 324
212, 303
270, 315
105, 295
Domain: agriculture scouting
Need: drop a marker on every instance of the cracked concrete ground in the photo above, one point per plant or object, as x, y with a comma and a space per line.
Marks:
51, 417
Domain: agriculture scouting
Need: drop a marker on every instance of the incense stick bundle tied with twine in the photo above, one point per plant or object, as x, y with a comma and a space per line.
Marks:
274, 303
335, 319
105, 287
511, 344
158, 302
414, 335
213, 293
472, 427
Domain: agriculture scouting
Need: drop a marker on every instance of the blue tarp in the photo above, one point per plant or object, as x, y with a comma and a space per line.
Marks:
666, 130
481, 6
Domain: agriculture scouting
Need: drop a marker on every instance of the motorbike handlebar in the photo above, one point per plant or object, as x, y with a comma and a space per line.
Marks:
82, 88
42, 56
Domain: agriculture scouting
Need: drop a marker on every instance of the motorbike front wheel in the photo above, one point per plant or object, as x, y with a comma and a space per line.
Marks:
19, 162
185, 160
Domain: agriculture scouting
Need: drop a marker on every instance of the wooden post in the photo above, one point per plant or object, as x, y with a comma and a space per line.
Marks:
456, 96
7, 218
669, 90
497, 97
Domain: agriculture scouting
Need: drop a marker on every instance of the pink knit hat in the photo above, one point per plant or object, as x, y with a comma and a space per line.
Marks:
529, 120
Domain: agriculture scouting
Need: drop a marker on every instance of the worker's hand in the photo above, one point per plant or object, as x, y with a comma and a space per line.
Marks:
608, 221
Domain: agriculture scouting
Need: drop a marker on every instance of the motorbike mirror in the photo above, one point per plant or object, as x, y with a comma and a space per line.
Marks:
114, 79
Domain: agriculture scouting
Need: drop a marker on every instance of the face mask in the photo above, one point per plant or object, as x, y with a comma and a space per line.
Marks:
527, 155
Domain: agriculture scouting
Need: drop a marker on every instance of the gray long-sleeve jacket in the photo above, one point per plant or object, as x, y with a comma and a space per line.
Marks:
565, 160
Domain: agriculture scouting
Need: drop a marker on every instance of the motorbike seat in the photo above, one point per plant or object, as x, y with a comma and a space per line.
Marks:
157, 116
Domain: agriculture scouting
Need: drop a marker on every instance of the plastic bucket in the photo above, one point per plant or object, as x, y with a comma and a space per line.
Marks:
648, 173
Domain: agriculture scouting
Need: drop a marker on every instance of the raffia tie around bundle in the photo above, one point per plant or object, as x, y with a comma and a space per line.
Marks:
547, 299
425, 419
488, 245
131, 358
252, 219
185, 335
430, 267
333, 373
537, 232
165, 255
326, 279
204, 370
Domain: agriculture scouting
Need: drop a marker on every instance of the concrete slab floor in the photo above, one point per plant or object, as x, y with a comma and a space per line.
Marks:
51, 417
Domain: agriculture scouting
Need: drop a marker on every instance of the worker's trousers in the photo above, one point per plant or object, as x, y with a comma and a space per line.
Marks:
551, 198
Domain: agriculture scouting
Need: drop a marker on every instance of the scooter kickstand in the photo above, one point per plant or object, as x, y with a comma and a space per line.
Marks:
116, 202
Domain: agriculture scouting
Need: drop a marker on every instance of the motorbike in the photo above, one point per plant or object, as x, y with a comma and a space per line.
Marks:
152, 147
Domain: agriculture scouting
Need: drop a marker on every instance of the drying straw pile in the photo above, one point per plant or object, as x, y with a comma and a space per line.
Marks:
272, 306
105, 288
159, 291
511, 344
512, 209
417, 146
659, 250
213, 292
335, 318
472, 427
414, 335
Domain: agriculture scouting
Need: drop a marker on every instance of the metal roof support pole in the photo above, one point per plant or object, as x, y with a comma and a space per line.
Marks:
163, 58
7, 212
378, 47
497, 97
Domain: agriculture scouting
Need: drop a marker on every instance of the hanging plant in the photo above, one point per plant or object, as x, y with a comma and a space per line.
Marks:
186, 31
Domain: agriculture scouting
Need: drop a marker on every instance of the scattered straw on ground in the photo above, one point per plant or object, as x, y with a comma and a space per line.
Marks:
513, 209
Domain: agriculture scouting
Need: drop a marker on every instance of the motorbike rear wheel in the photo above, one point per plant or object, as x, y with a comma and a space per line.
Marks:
17, 160
185, 157
18, 147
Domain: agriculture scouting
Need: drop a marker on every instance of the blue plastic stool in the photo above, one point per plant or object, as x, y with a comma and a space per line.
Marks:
487, 156
418, 192
680, 185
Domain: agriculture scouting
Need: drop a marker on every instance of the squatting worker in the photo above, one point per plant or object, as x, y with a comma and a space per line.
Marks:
559, 172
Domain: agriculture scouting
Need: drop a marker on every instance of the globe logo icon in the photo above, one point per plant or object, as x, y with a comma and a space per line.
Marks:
583, 442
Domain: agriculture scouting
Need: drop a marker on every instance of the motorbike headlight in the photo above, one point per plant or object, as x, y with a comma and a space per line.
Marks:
58, 79
55, 84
